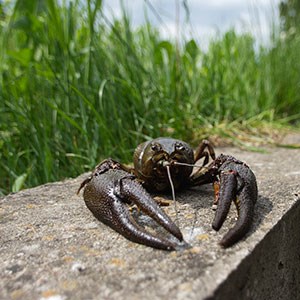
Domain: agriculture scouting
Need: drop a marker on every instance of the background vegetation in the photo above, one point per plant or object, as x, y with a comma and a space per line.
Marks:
76, 88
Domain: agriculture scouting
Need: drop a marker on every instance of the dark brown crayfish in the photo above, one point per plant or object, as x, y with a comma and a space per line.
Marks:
157, 163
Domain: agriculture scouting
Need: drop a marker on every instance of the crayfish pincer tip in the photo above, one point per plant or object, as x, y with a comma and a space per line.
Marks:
173, 229
226, 243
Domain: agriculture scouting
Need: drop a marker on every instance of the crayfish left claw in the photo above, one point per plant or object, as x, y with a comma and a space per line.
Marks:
107, 193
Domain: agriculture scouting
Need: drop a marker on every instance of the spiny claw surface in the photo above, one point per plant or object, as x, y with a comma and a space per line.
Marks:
227, 192
238, 184
107, 194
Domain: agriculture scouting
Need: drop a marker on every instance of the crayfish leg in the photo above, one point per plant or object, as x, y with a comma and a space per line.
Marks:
202, 152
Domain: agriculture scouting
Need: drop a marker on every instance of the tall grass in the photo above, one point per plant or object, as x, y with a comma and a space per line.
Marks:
77, 88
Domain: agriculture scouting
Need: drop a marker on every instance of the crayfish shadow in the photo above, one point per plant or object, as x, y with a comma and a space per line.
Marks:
202, 198
197, 197
262, 208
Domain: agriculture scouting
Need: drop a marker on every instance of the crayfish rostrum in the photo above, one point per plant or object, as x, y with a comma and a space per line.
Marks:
162, 165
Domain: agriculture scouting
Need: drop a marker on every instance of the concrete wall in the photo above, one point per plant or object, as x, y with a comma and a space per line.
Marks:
272, 271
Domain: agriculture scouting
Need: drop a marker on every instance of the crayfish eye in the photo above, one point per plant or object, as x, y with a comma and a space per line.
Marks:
156, 147
179, 147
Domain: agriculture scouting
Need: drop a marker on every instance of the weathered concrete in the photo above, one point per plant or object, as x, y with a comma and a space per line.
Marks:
52, 247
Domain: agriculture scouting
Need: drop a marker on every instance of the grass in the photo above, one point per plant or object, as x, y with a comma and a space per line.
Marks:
76, 88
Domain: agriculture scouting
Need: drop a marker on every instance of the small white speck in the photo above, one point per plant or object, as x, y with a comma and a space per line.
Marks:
90, 225
293, 173
77, 267
54, 297
214, 207
31, 248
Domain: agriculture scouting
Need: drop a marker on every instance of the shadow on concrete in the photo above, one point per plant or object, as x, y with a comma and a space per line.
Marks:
200, 200
197, 197
263, 207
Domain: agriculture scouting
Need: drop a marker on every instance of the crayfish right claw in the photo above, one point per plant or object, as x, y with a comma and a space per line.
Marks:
108, 193
237, 184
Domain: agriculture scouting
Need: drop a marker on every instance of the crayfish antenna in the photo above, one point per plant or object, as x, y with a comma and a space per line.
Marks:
173, 192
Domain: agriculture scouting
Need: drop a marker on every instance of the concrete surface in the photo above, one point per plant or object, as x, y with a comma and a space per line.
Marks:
51, 247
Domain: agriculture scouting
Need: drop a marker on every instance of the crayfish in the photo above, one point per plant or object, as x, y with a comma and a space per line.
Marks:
162, 165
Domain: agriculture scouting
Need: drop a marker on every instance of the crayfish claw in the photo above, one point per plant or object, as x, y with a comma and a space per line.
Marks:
226, 194
132, 190
245, 208
235, 182
107, 195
